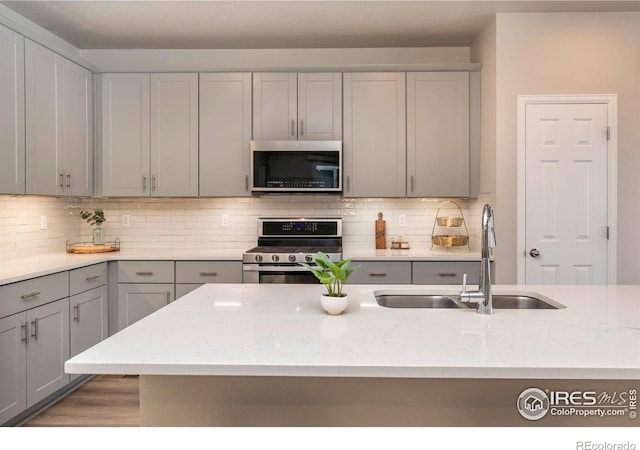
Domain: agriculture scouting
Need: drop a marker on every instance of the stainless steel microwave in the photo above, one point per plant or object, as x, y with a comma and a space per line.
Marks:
296, 166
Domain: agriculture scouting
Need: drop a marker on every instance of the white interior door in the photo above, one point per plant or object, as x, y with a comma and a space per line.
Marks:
566, 194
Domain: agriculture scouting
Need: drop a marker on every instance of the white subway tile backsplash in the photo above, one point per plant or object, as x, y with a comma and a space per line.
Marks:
196, 223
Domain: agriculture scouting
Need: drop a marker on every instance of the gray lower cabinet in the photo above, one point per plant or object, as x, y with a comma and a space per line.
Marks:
446, 272
138, 300
13, 366
193, 274
89, 320
381, 272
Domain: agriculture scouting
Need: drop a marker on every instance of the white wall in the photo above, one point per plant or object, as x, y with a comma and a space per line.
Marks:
569, 53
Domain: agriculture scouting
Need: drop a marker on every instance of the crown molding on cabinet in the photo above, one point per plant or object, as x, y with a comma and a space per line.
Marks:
36, 33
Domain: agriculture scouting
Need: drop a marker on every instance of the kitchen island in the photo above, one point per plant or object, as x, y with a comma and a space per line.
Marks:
232, 354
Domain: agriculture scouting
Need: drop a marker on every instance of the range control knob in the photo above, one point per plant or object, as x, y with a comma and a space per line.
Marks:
308, 258
275, 258
292, 258
258, 258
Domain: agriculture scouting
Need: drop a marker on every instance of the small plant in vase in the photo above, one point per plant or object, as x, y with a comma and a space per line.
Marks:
95, 217
333, 276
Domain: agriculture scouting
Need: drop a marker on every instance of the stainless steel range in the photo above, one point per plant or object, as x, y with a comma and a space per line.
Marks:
285, 242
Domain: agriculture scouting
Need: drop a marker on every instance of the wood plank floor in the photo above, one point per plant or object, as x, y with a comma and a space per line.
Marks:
104, 401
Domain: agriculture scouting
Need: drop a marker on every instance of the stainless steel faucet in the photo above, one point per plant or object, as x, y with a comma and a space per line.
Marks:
483, 295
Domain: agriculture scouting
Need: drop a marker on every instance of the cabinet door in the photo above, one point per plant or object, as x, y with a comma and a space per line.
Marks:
13, 366
225, 134
125, 134
320, 106
45, 170
77, 129
438, 134
274, 107
12, 156
374, 134
174, 134
48, 350
88, 324
136, 301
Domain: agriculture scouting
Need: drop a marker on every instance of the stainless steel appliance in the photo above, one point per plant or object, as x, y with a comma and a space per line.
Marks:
285, 242
296, 166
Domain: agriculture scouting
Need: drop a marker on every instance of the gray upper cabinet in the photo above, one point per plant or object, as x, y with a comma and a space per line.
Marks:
12, 150
374, 134
150, 135
174, 134
225, 134
59, 116
45, 171
290, 106
125, 134
438, 158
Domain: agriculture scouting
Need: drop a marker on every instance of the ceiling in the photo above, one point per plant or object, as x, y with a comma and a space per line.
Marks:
154, 24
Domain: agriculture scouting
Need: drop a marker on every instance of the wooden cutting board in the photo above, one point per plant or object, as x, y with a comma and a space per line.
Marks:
93, 249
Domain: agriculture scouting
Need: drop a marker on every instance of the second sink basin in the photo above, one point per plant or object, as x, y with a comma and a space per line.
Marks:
511, 300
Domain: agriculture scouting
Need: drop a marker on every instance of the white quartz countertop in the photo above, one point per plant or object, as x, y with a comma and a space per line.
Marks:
281, 330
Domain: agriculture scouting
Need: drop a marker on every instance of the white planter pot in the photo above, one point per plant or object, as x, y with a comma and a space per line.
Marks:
334, 305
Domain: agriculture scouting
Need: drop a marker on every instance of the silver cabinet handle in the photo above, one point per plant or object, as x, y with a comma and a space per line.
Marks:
95, 277
144, 183
61, 180
447, 274
76, 312
168, 297
69, 180
25, 332
144, 274
208, 274
153, 183
34, 332
30, 295
534, 252
301, 127
377, 274
246, 183
293, 127
412, 184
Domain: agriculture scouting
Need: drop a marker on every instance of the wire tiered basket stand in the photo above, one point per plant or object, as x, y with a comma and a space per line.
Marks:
444, 224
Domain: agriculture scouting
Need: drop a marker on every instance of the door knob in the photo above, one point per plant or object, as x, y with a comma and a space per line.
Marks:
534, 252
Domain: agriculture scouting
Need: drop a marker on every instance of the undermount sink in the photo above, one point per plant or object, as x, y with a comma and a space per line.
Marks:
510, 300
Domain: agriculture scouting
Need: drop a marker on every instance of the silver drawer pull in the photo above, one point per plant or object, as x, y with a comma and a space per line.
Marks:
94, 277
447, 274
34, 333
144, 274
208, 274
168, 297
25, 334
377, 274
61, 180
76, 313
28, 296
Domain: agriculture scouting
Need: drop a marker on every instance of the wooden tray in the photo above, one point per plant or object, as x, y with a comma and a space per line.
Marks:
87, 247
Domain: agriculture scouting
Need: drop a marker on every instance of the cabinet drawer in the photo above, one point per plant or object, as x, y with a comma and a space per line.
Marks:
208, 272
87, 278
28, 294
445, 272
381, 273
146, 272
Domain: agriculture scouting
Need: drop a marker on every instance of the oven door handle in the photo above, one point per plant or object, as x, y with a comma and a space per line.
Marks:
259, 268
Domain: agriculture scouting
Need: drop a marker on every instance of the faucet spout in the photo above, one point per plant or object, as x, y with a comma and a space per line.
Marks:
483, 296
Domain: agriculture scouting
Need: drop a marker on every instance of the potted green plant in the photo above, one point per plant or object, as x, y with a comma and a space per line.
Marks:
333, 276
95, 217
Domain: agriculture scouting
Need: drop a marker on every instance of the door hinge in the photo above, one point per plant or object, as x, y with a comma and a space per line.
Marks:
608, 233
608, 133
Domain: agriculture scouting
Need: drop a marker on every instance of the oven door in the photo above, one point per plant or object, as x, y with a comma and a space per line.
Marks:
277, 274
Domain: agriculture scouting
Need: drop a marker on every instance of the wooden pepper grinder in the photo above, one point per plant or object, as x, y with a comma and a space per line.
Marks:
381, 232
